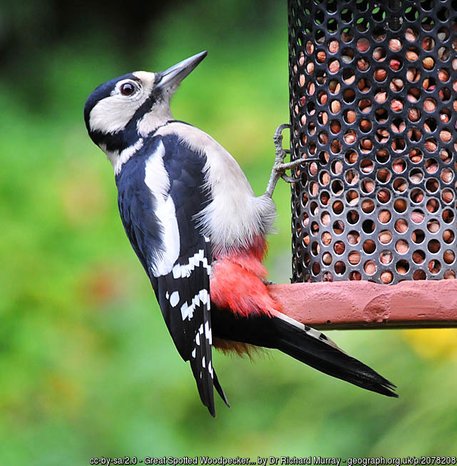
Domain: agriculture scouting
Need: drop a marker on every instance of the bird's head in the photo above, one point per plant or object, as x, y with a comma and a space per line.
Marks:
121, 111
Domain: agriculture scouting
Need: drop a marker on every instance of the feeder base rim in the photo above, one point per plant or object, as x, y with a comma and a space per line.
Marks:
365, 305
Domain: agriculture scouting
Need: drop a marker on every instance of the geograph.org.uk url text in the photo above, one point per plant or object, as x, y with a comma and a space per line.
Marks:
275, 461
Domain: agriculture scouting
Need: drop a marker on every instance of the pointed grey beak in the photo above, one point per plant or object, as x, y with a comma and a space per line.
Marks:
170, 78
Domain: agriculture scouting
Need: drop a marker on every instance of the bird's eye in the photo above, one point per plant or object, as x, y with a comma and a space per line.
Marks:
127, 89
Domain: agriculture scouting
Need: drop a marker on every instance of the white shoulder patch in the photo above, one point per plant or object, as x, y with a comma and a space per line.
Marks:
157, 180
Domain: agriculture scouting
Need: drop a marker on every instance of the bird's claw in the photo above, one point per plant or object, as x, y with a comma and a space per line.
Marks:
290, 179
280, 152
280, 167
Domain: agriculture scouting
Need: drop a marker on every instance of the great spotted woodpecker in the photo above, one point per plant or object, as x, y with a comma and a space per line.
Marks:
199, 232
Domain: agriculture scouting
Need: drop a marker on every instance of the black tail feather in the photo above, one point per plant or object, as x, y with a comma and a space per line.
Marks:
302, 343
220, 390
205, 383
328, 358
205, 386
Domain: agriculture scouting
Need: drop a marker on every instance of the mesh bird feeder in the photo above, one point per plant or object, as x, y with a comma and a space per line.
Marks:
373, 107
373, 110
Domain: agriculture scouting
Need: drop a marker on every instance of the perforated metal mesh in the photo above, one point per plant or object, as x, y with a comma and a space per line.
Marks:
373, 102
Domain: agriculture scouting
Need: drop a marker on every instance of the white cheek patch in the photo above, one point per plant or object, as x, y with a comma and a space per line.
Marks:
113, 113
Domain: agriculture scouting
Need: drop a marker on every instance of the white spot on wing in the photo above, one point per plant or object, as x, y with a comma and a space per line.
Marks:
187, 310
208, 334
157, 180
203, 295
174, 298
184, 271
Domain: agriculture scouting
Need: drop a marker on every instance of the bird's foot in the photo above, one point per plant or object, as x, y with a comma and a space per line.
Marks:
280, 167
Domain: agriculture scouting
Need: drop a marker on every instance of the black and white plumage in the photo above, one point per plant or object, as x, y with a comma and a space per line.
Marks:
161, 192
199, 232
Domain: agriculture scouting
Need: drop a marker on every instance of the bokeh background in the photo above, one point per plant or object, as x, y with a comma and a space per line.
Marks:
87, 367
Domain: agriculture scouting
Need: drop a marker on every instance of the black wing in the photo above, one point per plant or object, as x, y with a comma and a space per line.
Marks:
183, 289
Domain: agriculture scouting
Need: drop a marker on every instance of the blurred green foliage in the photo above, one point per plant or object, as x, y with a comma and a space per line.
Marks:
87, 366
